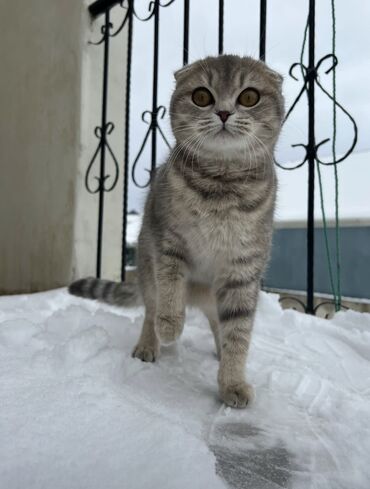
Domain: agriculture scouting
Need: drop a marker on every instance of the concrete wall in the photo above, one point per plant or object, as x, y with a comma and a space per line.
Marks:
50, 102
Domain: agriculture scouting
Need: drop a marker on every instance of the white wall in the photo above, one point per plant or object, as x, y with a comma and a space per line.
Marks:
50, 102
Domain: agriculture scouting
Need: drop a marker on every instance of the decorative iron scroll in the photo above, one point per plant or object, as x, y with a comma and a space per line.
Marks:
311, 79
107, 182
301, 306
153, 123
307, 74
130, 5
101, 186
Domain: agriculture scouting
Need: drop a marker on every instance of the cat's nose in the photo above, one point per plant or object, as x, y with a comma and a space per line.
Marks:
223, 115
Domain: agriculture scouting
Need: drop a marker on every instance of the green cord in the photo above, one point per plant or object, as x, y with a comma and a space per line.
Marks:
325, 227
335, 291
334, 140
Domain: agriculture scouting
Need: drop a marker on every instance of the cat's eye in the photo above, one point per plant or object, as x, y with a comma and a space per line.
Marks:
202, 97
249, 97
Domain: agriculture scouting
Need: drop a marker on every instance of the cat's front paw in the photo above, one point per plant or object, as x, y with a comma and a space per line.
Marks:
146, 353
169, 328
237, 395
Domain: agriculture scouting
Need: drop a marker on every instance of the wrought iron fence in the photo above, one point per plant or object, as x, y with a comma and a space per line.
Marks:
310, 82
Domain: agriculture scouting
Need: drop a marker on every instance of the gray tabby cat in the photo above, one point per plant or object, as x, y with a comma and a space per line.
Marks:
207, 225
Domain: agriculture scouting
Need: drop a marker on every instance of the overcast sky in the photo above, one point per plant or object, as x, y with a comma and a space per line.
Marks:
286, 21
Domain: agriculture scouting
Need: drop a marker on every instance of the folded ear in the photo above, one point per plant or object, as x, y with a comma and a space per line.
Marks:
179, 74
275, 76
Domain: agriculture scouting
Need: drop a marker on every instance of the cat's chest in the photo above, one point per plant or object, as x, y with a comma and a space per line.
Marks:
212, 235
211, 240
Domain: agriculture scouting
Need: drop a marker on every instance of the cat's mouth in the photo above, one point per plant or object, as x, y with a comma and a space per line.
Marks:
224, 131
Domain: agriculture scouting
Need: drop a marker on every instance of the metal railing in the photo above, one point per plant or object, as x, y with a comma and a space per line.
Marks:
106, 183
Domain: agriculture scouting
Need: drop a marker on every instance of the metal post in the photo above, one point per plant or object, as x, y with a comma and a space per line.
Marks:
103, 142
127, 139
220, 26
155, 86
263, 20
186, 33
311, 153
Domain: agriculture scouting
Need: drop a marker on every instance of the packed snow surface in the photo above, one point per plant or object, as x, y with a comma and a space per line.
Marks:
78, 412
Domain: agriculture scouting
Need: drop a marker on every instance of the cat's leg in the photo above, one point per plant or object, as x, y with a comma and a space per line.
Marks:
236, 294
202, 296
147, 348
171, 283
209, 308
215, 327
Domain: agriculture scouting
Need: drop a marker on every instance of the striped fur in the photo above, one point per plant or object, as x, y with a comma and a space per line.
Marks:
207, 224
115, 293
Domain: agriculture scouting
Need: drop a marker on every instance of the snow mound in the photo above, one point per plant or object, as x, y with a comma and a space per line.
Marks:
77, 411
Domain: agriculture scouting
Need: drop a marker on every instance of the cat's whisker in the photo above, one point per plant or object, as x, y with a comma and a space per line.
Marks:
177, 150
187, 146
265, 150
201, 140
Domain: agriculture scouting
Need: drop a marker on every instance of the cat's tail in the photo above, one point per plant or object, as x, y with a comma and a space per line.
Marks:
115, 293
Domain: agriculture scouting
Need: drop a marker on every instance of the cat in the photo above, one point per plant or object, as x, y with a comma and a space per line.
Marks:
208, 220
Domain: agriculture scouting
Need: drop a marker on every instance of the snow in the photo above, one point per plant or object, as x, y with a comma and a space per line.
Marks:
78, 412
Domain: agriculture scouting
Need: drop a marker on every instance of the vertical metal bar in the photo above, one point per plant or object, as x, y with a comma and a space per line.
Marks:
311, 152
103, 142
155, 86
186, 33
127, 139
220, 26
263, 20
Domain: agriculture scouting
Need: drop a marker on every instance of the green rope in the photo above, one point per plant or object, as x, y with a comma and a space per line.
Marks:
336, 291
325, 227
338, 302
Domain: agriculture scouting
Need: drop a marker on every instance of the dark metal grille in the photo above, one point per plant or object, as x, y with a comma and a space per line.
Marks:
153, 117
